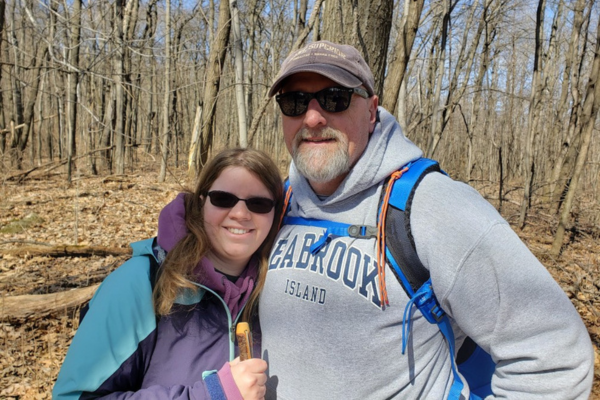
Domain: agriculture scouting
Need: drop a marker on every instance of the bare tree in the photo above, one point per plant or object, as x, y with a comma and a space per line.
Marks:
2, 119
534, 114
574, 60
165, 136
459, 78
24, 95
238, 58
401, 54
300, 41
73, 85
364, 24
149, 31
438, 70
590, 112
118, 75
213, 79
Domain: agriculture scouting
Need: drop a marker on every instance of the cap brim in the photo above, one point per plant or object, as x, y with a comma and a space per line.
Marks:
336, 74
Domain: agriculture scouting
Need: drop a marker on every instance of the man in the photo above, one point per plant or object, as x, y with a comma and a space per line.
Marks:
328, 332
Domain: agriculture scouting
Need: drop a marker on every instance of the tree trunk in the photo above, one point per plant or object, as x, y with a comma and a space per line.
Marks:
149, 31
2, 119
256, 7
398, 65
365, 24
590, 112
440, 62
534, 115
300, 41
565, 130
238, 57
218, 50
73, 86
118, 76
38, 305
165, 128
195, 141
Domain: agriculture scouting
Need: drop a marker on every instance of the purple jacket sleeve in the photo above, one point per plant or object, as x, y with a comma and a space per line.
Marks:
232, 392
208, 388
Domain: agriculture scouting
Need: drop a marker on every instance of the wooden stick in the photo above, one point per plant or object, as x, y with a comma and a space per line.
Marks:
244, 339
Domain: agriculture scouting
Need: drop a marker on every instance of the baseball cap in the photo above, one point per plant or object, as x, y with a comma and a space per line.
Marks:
341, 63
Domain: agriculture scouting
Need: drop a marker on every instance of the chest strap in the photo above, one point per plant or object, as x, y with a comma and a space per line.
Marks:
332, 229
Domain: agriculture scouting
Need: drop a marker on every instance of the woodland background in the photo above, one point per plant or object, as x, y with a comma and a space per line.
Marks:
108, 108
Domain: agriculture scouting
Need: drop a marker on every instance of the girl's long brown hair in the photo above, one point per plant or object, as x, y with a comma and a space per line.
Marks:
176, 269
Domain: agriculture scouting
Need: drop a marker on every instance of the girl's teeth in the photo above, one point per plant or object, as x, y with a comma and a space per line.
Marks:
237, 231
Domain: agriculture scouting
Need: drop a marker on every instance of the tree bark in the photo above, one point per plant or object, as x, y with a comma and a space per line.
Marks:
398, 65
590, 112
119, 73
218, 50
238, 57
566, 130
366, 25
38, 305
534, 115
149, 31
300, 41
165, 135
2, 119
73, 85
68, 251
437, 109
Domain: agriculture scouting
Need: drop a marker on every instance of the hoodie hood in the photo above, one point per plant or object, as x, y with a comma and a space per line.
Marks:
235, 294
387, 150
171, 223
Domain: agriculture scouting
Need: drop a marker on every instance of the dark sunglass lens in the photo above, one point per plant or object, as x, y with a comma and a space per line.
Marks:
222, 199
286, 104
293, 104
260, 205
335, 99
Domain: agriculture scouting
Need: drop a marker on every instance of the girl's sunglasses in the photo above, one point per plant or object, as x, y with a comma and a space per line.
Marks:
259, 205
332, 99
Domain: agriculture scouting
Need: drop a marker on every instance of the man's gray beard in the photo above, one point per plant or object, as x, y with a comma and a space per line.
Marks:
322, 165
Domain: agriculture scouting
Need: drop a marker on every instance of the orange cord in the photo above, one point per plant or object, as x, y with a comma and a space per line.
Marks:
286, 202
381, 237
380, 232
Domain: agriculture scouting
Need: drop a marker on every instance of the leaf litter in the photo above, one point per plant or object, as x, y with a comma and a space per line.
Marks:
114, 211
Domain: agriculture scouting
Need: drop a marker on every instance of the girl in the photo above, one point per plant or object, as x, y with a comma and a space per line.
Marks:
168, 334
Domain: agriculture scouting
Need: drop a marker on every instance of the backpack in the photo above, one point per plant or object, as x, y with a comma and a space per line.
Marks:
154, 267
396, 245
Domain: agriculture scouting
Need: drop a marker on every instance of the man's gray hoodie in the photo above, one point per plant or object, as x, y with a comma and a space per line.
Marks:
326, 335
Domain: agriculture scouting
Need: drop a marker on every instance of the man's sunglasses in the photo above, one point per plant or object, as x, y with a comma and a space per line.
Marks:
332, 99
259, 205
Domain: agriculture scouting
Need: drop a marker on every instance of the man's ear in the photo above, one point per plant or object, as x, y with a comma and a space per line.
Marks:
373, 114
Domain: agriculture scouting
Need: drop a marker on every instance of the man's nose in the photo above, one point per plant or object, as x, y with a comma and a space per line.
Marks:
314, 116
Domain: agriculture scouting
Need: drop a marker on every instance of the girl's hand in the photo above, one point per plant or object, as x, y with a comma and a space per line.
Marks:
250, 377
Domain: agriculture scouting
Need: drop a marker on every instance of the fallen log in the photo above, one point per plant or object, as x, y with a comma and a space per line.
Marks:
67, 251
25, 306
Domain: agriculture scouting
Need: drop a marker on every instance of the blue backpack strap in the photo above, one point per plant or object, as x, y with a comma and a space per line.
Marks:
411, 273
426, 302
400, 250
473, 363
332, 229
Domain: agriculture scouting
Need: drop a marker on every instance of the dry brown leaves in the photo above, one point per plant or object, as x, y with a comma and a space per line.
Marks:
114, 211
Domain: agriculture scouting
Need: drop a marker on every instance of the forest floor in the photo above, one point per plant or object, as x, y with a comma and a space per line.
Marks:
45, 212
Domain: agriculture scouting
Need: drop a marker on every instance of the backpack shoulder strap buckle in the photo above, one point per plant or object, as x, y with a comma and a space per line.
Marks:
362, 231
